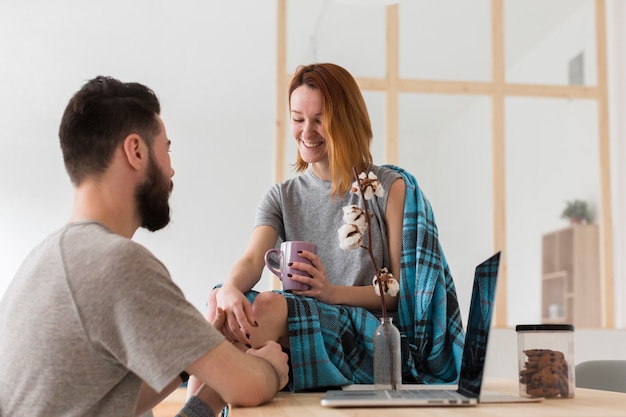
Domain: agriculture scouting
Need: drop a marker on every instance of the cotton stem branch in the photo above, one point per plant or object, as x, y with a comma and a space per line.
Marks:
369, 245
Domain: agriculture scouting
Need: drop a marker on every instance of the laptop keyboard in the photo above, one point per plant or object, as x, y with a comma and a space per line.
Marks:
426, 394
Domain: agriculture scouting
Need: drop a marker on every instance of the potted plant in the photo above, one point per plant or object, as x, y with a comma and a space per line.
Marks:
577, 212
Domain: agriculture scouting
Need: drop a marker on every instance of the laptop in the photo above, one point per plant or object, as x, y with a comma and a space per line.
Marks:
468, 390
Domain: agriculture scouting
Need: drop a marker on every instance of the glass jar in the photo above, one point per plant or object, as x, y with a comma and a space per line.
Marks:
546, 360
387, 355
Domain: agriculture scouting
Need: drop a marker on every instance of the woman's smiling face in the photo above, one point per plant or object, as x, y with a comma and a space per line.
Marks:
306, 123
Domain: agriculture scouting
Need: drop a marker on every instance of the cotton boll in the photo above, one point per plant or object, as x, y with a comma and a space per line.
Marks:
380, 191
355, 188
390, 285
354, 214
350, 236
375, 284
368, 193
393, 287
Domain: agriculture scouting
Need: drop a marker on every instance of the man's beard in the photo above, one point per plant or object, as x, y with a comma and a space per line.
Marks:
152, 198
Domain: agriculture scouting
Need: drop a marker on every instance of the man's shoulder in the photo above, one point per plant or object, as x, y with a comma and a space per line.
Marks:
94, 242
91, 232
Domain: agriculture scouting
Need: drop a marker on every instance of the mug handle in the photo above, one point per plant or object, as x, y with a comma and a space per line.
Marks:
269, 265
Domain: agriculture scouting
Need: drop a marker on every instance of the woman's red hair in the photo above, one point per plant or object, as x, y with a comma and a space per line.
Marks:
345, 120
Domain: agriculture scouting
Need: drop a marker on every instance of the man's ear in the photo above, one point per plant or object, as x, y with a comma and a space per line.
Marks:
135, 150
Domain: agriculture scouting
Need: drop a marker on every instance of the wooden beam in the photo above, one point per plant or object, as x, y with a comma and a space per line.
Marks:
391, 109
498, 155
406, 85
445, 87
373, 84
281, 83
552, 91
281, 103
606, 220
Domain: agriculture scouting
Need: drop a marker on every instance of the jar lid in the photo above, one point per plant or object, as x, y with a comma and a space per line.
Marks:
544, 328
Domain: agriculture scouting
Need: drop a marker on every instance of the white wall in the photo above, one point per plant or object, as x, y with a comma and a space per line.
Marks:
546, 166
213, 64
552, 157
454, 170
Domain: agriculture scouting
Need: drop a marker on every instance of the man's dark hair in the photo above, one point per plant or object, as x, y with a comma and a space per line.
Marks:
98, 118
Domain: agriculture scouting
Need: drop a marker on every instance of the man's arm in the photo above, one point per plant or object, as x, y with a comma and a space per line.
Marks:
148, 397
230, 377
246, 379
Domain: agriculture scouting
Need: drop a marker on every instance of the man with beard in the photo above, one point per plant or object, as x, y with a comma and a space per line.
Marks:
92, 324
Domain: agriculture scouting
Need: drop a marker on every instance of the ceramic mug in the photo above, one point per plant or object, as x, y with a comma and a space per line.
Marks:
287, 254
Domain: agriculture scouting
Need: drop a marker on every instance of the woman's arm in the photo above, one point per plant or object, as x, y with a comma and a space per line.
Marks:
241, 278
394, 216
246, 272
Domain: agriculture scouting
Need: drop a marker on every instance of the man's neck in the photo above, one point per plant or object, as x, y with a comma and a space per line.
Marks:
94, 201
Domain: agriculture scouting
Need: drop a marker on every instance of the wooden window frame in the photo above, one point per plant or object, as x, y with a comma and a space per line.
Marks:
498, 90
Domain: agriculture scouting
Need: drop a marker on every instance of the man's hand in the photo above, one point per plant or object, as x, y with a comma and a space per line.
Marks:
219, 319
273, 353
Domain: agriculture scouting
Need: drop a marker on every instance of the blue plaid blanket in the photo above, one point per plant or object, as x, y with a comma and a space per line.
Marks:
331, 345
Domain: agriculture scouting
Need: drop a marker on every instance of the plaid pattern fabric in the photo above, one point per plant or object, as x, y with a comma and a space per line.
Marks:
331, 345
428, 308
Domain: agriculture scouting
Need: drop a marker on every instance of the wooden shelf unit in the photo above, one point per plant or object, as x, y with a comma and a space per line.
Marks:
571, 281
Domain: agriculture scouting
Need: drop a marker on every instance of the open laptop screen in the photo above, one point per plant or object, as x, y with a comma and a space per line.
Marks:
478, 326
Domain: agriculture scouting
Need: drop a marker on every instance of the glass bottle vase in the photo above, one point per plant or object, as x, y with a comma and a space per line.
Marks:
387, 357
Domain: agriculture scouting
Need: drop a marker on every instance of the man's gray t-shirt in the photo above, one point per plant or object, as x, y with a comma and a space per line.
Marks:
301, 208
88, 316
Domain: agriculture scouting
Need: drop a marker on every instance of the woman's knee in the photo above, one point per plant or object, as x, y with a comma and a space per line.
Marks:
270, 312
211, 305
268, 302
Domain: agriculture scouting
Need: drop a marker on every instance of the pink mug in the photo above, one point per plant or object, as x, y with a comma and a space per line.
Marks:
287, 254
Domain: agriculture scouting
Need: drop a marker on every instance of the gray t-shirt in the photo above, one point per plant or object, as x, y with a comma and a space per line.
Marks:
88, 316
301, 208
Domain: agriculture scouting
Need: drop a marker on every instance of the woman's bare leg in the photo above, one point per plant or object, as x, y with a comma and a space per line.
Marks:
270, 312
211, 305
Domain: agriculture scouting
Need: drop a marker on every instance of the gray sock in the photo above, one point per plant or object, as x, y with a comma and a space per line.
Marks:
195, 407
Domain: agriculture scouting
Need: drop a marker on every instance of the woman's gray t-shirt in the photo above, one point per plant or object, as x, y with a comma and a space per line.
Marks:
301, 208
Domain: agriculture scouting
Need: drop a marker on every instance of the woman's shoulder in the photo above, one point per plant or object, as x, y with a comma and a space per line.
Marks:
386, 174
